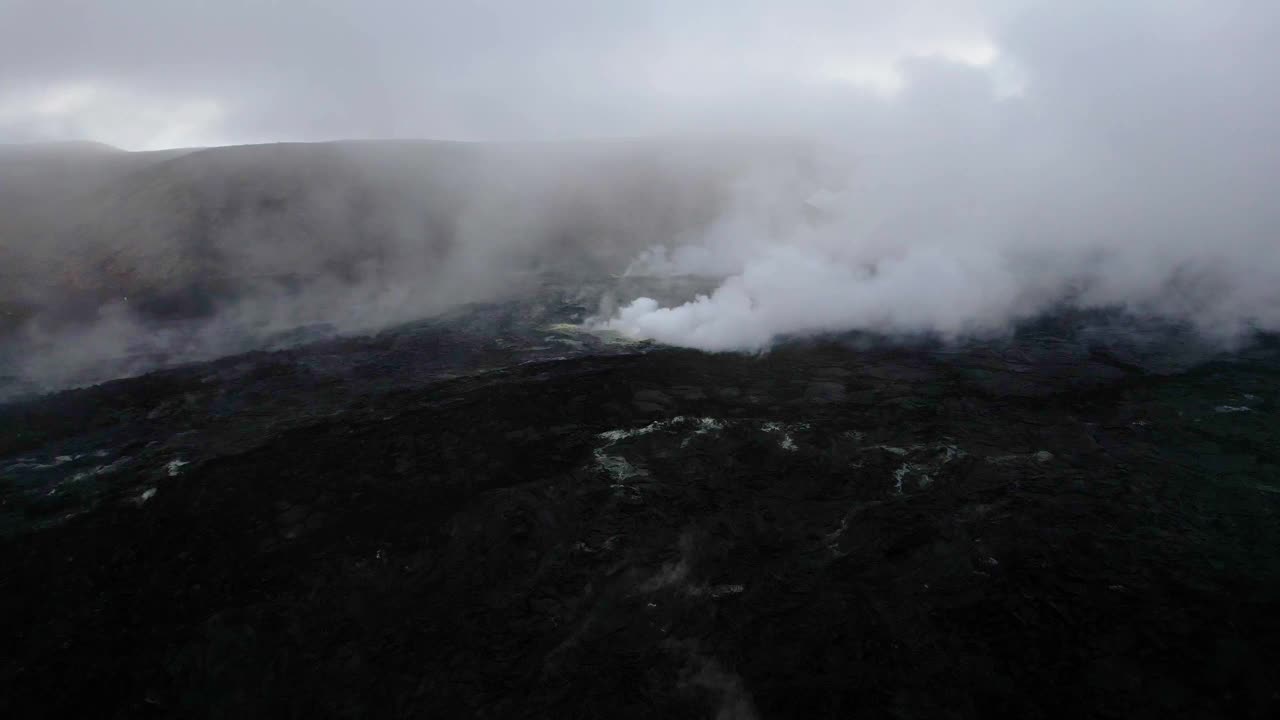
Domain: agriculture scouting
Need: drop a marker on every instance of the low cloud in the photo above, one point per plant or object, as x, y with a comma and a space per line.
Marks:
1132, 170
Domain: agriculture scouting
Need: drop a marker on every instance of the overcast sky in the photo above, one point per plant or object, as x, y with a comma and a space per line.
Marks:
159, 73
162, 73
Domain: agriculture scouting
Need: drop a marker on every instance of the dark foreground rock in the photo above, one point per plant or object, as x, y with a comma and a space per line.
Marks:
361, 529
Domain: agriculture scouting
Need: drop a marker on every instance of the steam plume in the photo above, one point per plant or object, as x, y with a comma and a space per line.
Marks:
1131, 167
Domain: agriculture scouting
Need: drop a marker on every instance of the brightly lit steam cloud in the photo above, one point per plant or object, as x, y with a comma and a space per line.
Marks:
1133, 168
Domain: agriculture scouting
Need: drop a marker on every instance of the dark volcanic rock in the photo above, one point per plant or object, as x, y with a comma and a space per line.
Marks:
824, 392
430, 522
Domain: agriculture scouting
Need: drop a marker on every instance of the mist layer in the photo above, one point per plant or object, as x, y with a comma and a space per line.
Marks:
1129, 166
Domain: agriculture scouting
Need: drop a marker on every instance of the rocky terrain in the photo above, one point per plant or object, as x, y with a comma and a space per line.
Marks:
494, 514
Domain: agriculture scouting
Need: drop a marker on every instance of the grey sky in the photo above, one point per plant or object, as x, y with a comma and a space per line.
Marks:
154, 73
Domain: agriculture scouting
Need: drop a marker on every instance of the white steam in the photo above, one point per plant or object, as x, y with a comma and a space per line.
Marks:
1132, 168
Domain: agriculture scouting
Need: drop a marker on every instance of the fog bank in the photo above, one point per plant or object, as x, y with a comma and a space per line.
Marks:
117, 263
1132, 166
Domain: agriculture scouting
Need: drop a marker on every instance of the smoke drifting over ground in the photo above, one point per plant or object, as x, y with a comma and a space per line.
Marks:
146, 260
1094, 154
1131, 166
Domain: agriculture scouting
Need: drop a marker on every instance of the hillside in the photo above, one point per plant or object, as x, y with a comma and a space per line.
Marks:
489, 514
183, 230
